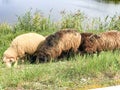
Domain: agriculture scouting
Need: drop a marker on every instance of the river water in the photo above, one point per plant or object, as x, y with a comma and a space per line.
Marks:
9, 9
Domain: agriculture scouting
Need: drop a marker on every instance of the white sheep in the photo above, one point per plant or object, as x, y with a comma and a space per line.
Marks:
21, 45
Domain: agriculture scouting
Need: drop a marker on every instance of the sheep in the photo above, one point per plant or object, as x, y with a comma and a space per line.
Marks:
84, 36
23, 44
57, 44
109, 40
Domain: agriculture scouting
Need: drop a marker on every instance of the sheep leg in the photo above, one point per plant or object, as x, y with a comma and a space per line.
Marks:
15, 64
37, 60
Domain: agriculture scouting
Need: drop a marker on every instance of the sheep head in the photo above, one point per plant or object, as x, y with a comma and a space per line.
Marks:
90, 44
10, 57
43, 57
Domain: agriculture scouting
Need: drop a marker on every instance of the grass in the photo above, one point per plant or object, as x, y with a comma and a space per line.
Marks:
79, 72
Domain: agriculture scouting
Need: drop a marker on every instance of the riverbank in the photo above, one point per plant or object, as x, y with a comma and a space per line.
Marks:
76, 73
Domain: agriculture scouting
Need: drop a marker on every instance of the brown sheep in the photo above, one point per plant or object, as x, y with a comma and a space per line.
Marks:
60, 42
109, 40
21, 45
84, 37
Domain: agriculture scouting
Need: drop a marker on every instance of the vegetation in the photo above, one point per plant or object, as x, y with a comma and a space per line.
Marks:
109, 1
79, 72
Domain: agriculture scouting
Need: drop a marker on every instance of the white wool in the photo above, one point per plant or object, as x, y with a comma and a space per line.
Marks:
25, 43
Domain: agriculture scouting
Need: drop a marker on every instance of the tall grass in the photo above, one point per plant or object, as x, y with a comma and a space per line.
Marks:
35, 23
72, 20
77, 72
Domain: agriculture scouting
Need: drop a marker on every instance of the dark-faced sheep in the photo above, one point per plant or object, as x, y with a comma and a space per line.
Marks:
57, 43
109, 40
21, 45
84, 37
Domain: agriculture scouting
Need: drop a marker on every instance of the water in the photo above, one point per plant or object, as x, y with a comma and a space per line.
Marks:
9, 9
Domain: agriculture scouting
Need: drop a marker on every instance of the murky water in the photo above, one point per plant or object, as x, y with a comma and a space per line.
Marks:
92, 8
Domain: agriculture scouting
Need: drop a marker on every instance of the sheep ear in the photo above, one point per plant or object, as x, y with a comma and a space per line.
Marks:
94, 37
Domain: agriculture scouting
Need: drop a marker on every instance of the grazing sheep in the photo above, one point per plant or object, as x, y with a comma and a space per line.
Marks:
21, 45
57, 44
84, 36
109, 40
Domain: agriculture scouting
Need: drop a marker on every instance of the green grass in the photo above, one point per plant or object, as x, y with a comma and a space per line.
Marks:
79, 72
76, 72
